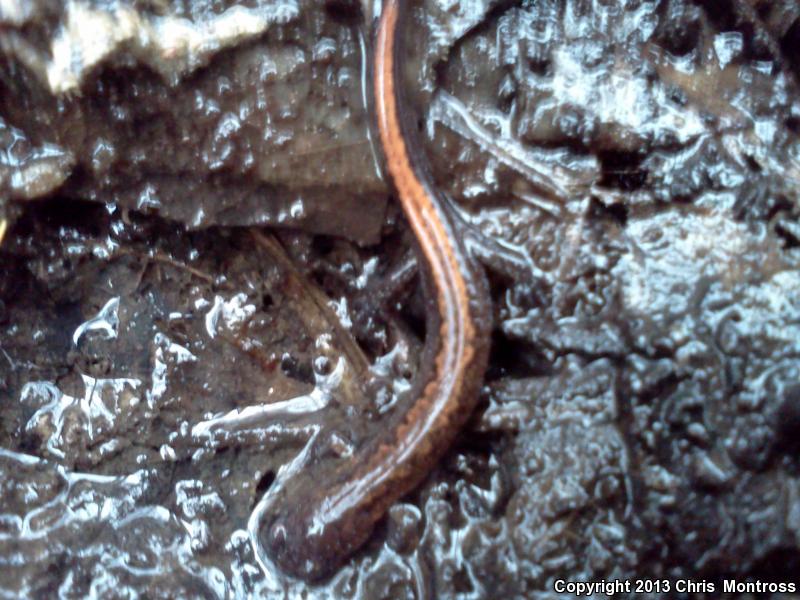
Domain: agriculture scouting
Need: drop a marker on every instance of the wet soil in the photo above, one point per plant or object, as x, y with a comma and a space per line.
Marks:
205, 269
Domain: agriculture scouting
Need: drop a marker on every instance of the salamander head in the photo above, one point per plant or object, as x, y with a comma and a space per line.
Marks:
285, 542
304, 548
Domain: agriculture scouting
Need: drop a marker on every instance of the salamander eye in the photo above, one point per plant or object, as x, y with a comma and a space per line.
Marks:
276, 541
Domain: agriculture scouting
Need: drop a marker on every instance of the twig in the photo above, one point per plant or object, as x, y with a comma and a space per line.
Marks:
164, 259
319, 319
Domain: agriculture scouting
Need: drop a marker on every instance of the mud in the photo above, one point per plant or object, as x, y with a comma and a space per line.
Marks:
205, 269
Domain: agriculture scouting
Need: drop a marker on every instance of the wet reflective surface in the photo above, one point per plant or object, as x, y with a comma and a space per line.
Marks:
163, 371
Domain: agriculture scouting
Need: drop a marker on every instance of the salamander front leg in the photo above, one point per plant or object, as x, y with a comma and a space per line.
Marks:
504, 259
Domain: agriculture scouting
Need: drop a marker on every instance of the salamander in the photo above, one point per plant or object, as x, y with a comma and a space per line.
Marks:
329, 511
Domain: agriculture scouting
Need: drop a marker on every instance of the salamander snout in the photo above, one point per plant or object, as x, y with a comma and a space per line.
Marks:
299, 553
306, 545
